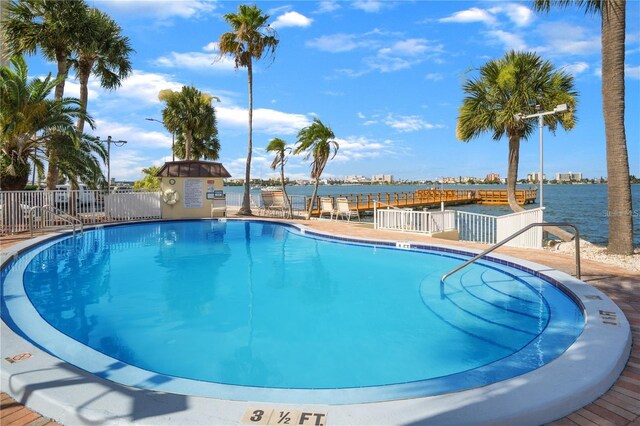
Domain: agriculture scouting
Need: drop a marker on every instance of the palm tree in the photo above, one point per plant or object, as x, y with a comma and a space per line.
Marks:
52, 27
613, 48
251, 37
517, 83
104, 52
29, 119
317, 141
279, 147
149, 179
191, 116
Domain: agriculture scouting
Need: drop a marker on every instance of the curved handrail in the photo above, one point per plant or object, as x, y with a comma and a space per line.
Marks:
58, 213
511, 237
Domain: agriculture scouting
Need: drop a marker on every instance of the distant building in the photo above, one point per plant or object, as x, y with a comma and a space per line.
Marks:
492, 177
382, 179
569, 177
356, 179
535, 177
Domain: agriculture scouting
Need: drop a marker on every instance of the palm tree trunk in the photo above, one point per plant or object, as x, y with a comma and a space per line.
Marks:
512, 172
284, 190
619, 187
245, 209
313, 197
84, 73
52, 169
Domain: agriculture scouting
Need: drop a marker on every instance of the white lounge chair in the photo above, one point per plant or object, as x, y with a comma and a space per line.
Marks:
344, 210
326, 206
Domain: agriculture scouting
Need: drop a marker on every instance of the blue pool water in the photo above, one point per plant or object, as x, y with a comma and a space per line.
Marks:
266, 305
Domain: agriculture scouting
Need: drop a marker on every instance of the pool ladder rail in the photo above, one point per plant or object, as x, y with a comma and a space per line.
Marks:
56, 212
514, 235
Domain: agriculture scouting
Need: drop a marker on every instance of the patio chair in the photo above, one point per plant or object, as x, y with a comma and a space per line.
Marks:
267, 202
279, 205
326, 206
344, 210
219, 207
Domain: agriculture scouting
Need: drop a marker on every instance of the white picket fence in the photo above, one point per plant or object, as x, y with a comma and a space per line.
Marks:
132, 205
508, 224
474, 227
414, 221
89, 206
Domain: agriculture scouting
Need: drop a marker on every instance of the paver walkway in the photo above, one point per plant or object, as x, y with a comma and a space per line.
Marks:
619, 406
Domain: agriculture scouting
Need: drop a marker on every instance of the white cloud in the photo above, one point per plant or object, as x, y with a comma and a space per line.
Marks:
409, 47
196, 61
292, 19
510, 41
72, 89
361, 115
434, 76
409, 123
144, 87
566, 39
470, 15
265, 120
328, 6
136, 137
632, 72
335, 43
361, 147
517, 13
369, 6
161, 9
576, 68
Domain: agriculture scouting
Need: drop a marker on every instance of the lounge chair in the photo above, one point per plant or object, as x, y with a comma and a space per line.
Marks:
267, 201
326, 206
344, 210
279, 204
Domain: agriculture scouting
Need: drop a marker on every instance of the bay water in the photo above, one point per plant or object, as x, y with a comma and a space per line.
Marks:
582, 205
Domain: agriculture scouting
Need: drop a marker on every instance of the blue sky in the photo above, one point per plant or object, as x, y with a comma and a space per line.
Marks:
385, 76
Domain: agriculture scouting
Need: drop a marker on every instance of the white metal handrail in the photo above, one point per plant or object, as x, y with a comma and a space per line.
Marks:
57, 213
514, 235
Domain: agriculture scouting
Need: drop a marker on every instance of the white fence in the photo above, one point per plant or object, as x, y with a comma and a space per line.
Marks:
132, 205
479, 228
511, 223
414, 221
87, 205
474, 227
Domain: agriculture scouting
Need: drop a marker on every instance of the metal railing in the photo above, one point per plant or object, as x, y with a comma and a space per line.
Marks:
514, 235
56, 212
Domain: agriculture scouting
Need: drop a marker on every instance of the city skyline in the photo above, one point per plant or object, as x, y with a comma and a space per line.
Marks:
385, 76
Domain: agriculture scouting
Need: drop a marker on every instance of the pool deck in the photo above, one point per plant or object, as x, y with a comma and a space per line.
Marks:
618, 406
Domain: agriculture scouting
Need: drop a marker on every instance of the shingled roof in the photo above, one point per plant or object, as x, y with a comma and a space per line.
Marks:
203, 169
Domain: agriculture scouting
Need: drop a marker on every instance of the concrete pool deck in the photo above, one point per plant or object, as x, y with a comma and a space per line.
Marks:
620, 405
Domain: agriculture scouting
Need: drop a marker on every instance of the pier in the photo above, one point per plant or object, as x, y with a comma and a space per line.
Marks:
429, 198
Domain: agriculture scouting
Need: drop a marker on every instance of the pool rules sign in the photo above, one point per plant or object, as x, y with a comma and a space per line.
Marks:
270, 416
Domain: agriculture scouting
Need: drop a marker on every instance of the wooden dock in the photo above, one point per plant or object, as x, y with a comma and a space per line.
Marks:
428, 198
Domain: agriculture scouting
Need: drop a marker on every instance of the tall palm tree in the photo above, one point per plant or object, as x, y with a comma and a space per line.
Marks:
52, 27
317, 141
190, 115
279, 147
505, 87
29, 118
103, 52
620, 212
251, 37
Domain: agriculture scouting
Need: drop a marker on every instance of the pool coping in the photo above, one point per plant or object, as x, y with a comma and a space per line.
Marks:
52, 387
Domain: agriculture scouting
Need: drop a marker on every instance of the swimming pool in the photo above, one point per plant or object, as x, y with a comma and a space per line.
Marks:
266, 311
